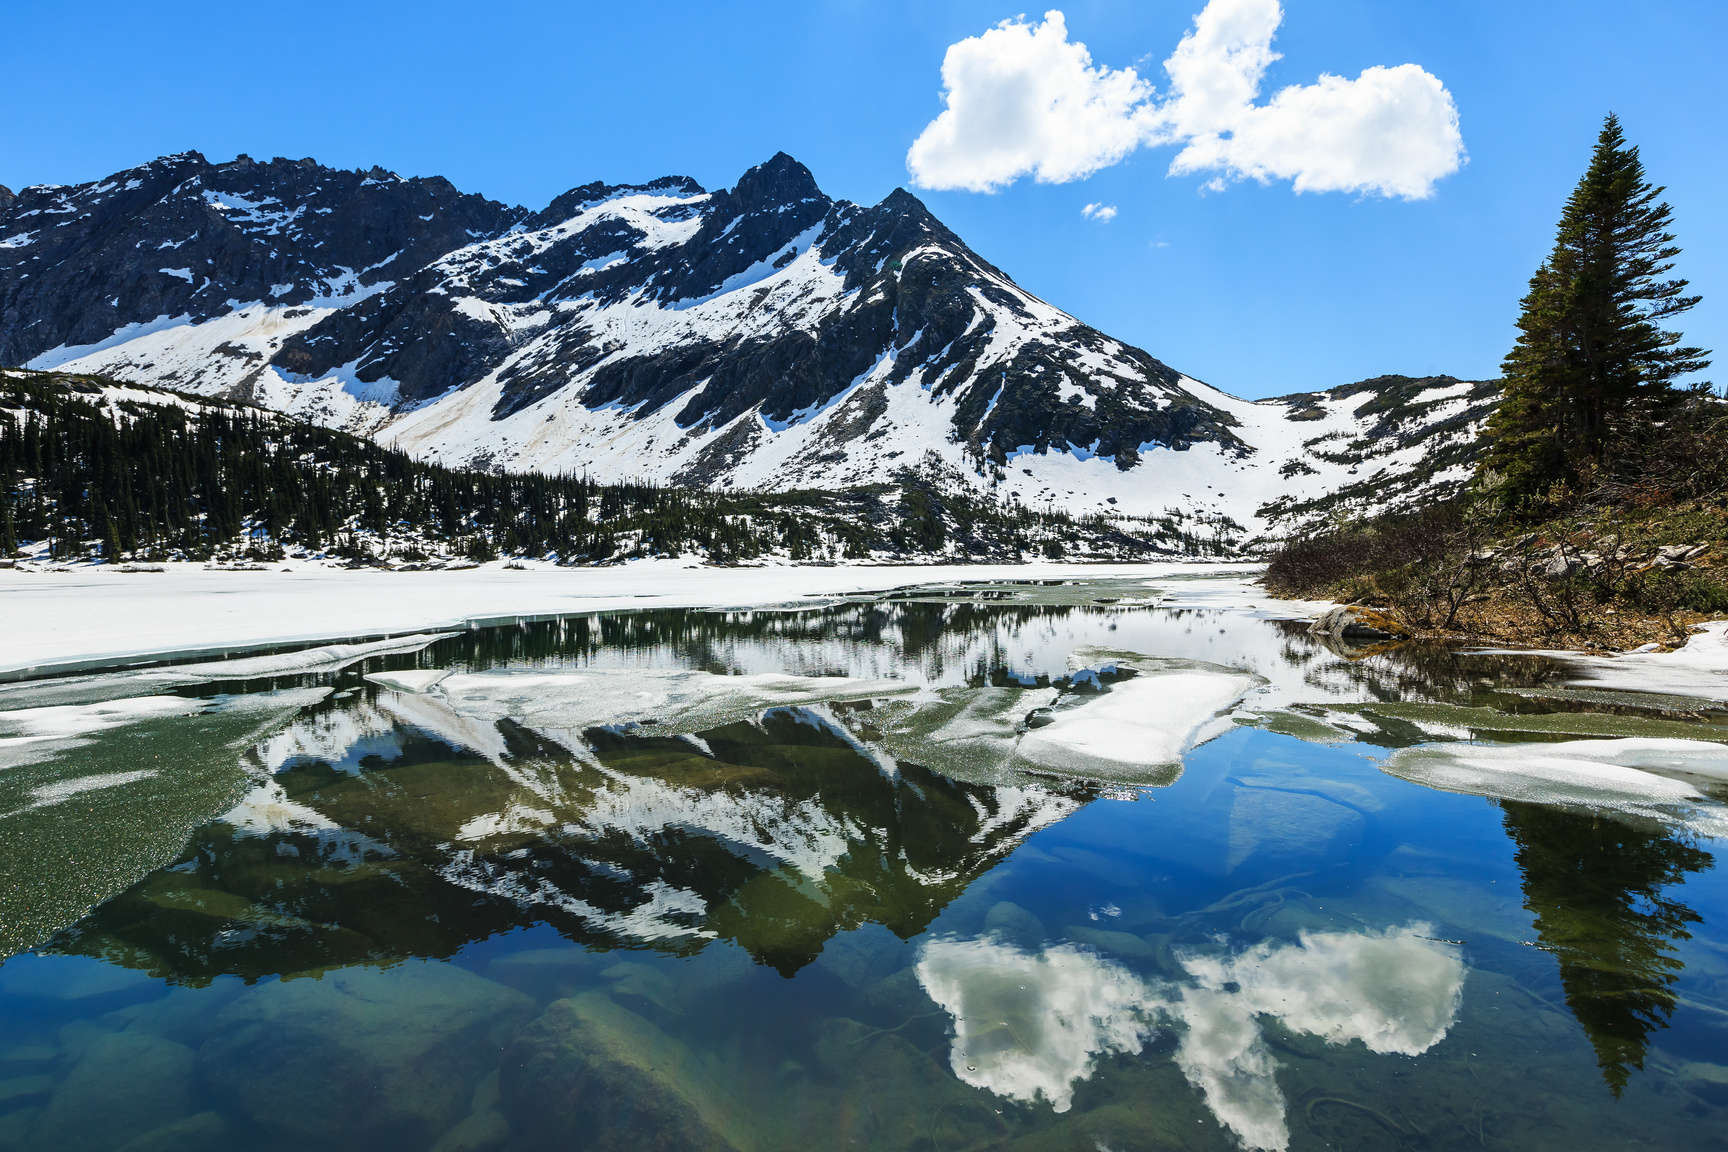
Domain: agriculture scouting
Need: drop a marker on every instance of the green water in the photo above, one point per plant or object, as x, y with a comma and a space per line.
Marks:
518, 910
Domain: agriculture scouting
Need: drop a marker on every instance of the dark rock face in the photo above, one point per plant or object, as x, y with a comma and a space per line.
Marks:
181, 236
911, 289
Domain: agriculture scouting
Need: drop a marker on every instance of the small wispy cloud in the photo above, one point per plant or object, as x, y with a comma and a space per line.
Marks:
1023, 99
1099, 212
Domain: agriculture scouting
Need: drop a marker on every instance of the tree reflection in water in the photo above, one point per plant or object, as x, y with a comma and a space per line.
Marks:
1597, 888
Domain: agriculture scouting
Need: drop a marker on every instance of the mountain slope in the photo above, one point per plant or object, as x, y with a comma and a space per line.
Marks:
760, 336
90, 466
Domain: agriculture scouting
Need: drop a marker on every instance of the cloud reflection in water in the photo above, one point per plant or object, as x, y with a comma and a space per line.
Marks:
1031, 1025
1028, 1025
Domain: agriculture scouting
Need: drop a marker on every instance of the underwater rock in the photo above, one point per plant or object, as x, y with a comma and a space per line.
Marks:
484, 1128
68, 978
185, 1014
549, 973
19, 1057
361, 1058
643, 988
897, 997
864, 955
1011, 923
202, 1132
1269, 823
477, 1132
1106, 940
896, 1096
15, 1129
588, 1073
124, 1083
16, 1090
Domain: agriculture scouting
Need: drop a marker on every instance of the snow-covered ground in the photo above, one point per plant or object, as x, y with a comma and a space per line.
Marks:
101, 617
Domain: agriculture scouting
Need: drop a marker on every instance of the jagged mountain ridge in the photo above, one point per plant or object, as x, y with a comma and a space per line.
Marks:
765, 335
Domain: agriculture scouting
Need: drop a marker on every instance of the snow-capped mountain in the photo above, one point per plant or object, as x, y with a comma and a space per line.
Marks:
761, 336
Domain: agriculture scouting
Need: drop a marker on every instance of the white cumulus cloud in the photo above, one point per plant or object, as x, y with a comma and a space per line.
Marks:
1099, 212
1024, 100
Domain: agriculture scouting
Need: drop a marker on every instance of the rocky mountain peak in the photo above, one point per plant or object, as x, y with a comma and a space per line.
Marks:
183, 239
777, 181
586, 196
762, 334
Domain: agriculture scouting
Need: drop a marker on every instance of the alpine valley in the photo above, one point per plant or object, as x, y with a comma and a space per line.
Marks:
764, 336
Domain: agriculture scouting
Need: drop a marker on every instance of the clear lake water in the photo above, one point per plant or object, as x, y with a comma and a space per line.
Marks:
799, 878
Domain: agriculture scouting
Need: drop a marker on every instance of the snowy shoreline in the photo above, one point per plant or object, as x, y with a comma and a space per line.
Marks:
94, 618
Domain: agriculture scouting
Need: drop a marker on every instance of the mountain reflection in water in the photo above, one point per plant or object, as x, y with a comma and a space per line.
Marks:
774, 834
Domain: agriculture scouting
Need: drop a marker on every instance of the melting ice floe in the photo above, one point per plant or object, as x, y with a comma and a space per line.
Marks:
1140, 724
1657, 779
563, 705
1029, 1026
1699, 667
73, 722
1136, 731
31, 735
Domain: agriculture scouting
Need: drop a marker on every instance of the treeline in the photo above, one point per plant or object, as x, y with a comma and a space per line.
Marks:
141, 474
1599, 508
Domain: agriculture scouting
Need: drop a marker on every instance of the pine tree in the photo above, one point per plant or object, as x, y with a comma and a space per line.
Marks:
1592, 370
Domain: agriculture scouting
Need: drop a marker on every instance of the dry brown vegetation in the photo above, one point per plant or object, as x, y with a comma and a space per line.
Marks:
1637, 558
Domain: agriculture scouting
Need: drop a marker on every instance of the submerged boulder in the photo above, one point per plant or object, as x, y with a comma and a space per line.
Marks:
591, 1074
1012, 923
361, 1057
894, 1095
202, 1132
125, 1083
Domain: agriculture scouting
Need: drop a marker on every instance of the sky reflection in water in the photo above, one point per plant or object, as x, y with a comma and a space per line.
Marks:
600, 899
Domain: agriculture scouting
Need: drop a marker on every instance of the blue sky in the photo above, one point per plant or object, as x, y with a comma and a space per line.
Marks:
1254, 288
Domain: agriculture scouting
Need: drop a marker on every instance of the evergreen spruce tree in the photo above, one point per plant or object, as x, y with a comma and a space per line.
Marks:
1592, 370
